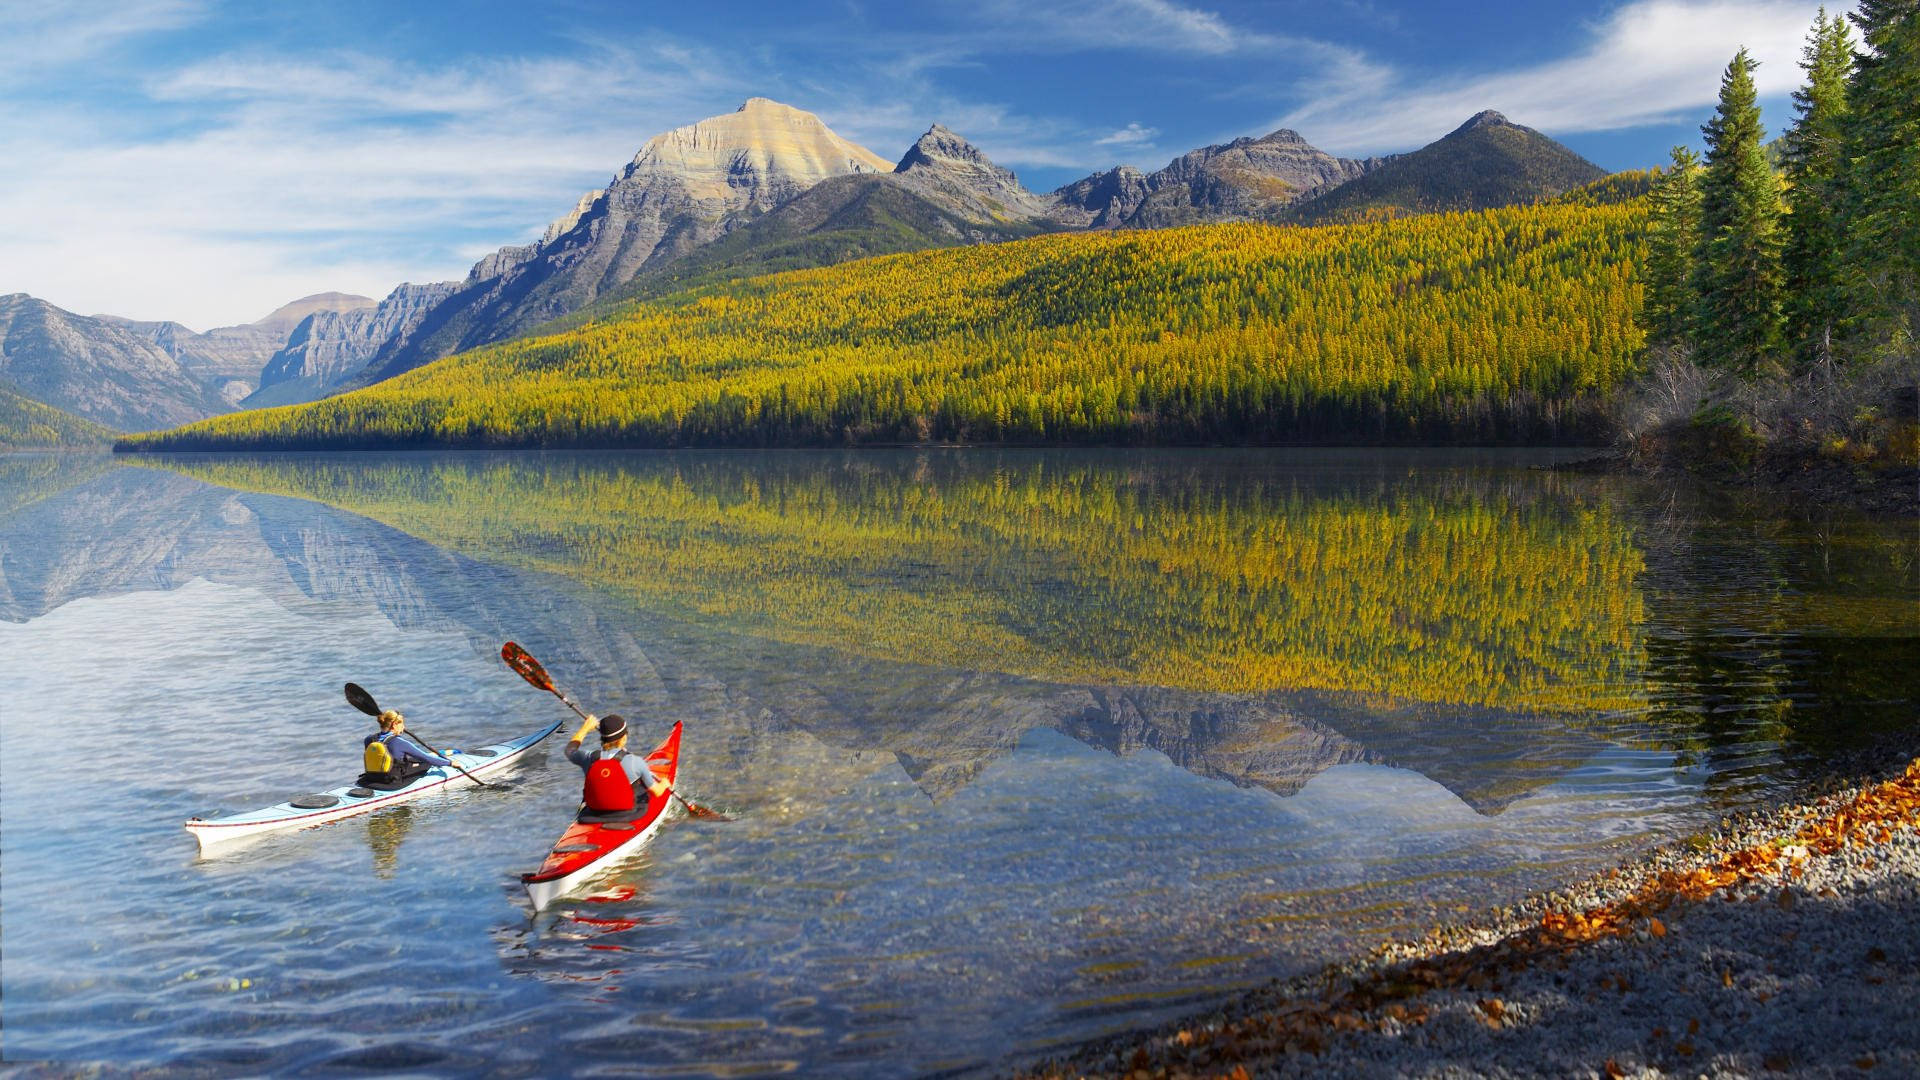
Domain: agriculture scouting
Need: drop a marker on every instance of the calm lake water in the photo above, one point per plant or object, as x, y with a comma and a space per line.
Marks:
1024, 747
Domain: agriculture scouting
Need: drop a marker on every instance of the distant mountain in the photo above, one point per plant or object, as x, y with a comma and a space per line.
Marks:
97, 369
769, 188
1486, 162
287, 316
953, 174
229, 358
944, 192
685, 188
328, 347
1247, 179
26, 424
1105, 200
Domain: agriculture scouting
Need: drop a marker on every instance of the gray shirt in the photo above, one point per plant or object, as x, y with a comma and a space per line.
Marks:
637, 772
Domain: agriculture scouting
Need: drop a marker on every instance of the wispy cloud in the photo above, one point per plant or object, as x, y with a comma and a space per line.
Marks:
346, 169
1160, 26
1131, 135
1648, 62
36, 37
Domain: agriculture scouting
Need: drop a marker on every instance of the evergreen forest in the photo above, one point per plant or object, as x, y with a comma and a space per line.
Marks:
1789, 300
1511, 325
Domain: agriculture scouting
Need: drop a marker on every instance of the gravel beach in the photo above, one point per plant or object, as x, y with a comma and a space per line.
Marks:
1786, 944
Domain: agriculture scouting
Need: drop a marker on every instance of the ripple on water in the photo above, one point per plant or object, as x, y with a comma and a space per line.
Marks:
932, 870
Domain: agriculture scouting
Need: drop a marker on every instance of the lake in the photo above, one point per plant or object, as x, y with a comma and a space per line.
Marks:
1023, 747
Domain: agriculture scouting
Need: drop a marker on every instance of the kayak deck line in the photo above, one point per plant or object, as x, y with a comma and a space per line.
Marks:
586, 850
347, 803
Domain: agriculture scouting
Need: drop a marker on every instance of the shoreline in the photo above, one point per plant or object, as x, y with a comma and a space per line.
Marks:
1784, 943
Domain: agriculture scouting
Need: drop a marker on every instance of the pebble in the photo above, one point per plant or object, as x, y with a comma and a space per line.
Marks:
1819, 976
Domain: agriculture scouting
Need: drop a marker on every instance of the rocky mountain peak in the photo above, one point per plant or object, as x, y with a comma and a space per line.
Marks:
1483, 118
947, 167
940, 147
762, 146
1283, 137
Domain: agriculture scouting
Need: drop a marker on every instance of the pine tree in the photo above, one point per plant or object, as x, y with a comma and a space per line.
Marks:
1882, 207
1737, 271
1814, 161
1672, 235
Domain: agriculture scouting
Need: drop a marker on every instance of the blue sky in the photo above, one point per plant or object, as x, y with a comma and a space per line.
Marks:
205, 162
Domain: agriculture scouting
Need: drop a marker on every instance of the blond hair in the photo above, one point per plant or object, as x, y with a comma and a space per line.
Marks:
390, 720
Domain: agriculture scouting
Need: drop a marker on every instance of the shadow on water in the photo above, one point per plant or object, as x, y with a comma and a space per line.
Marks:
1035, 744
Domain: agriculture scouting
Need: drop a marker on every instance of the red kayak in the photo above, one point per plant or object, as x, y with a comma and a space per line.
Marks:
588, 849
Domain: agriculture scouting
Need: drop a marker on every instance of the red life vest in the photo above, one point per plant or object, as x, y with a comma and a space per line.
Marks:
607, 788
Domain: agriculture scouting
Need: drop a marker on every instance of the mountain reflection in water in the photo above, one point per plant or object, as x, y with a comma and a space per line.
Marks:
1033, 744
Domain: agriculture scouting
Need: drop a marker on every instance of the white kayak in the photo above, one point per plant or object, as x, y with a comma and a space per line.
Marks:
321, 807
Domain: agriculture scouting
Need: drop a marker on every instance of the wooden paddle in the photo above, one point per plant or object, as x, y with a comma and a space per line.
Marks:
358, 697
523, 662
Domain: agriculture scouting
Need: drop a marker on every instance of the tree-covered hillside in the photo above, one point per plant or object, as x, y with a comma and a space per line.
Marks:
1505, 325
29, 424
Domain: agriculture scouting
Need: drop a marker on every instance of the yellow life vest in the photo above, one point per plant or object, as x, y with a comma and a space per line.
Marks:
378, 758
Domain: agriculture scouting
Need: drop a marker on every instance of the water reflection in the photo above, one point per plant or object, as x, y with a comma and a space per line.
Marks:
385, 831
1024, 744
1202, 574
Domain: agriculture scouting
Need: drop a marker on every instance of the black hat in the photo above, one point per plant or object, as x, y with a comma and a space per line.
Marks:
612, 726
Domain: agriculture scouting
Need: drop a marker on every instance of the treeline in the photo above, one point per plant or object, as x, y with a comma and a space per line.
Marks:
1814, 271
1511, 325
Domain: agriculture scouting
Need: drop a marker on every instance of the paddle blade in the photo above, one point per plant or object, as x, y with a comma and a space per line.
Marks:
360, 699
523, 662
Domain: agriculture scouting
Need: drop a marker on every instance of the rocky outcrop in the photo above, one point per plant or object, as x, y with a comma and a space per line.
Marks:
1245, 180
328, 348
684, 189
228, 359
1104, 200
97, 369
955, 175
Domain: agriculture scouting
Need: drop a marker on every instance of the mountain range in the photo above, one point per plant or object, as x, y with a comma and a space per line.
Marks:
766, 188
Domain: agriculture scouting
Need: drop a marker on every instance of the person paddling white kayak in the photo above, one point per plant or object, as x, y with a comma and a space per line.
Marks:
392, 759
614, 777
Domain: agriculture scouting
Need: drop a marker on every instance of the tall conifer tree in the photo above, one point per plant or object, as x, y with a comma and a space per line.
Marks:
1815, 162
1672, 235
1883, 176
1737, 262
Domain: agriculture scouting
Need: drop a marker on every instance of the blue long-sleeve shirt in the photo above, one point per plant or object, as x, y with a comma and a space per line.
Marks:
405, 749
637, 772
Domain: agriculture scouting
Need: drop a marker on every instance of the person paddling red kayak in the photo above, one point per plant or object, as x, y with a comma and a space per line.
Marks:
614, 777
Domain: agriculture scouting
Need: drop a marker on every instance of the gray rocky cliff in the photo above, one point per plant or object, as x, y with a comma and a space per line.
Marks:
955, 175
1104, 200
97, 368
1246, 179
228, 359
328, 348
684, 189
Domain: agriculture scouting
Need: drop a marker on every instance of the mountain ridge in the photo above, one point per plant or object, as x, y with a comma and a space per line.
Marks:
1487, 161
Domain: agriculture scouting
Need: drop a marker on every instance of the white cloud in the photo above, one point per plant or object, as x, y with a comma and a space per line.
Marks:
1649, 62
36, 36
346, 172
1146, 25
1131, 135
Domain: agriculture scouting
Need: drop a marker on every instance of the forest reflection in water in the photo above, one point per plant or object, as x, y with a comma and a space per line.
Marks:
1190, 572
1005, 730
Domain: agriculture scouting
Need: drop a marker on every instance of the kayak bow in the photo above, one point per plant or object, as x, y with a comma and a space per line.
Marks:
322, 807
588, 849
